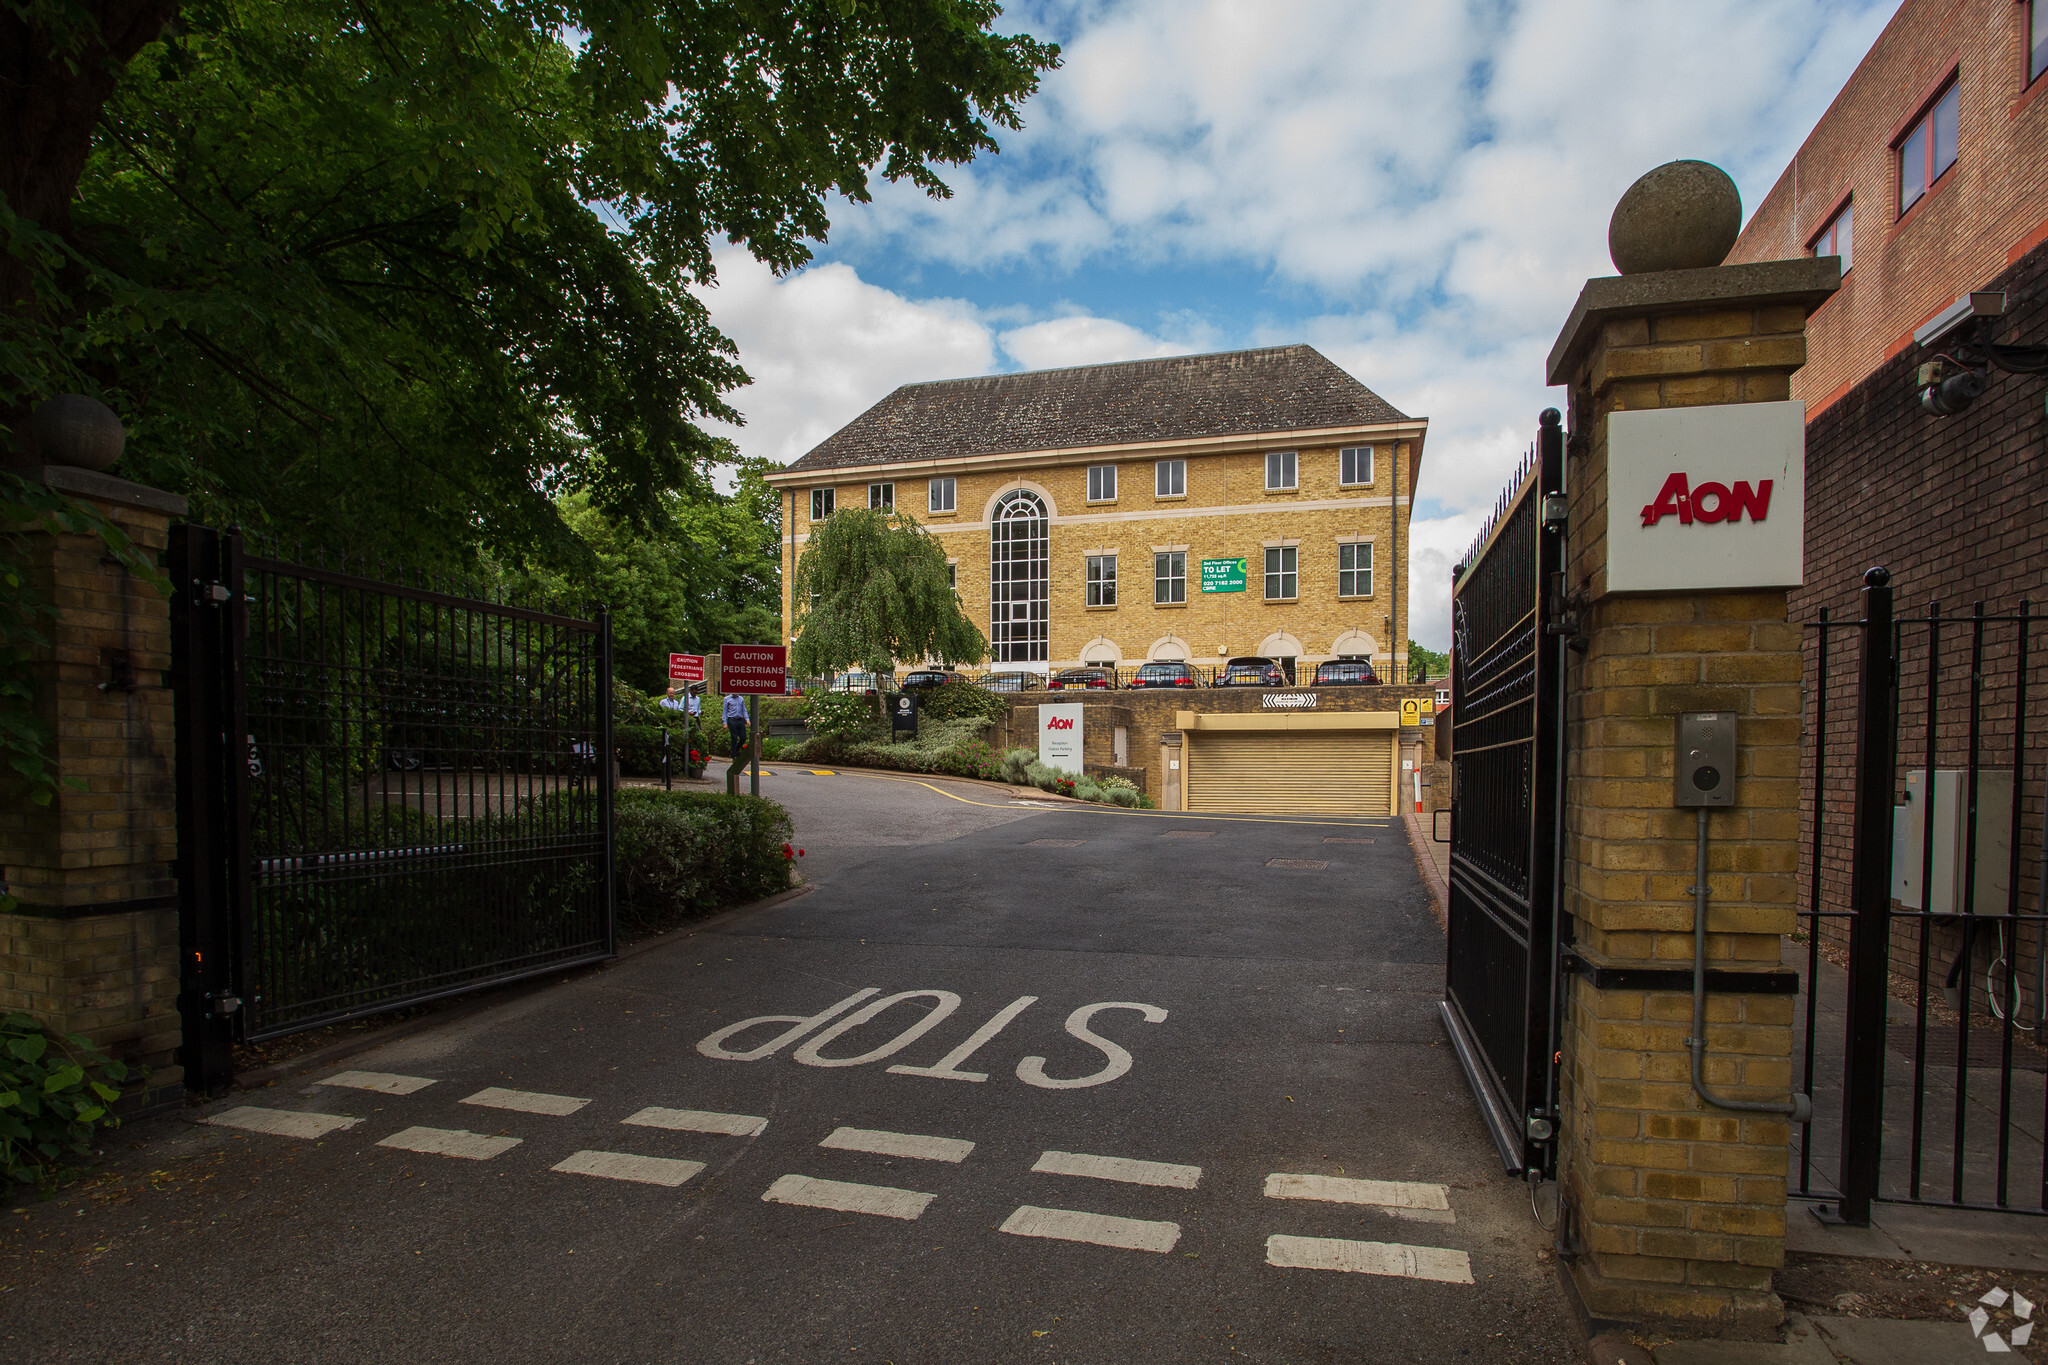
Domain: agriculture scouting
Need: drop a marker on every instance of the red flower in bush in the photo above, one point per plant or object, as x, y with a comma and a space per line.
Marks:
788, 852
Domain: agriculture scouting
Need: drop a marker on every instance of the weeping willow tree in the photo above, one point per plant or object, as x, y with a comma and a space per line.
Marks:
872, 589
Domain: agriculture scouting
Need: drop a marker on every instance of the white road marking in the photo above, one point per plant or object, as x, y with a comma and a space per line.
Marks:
845, 1197
1392, 1194
450, 1142
1119, 1168
898, 1144
282, 1122
698, 1121
811, 1053
1099, 1229
648, 1170
946, 1068
525, 1101
1370, 1258
383, 1082
1031, 1070
714, 1046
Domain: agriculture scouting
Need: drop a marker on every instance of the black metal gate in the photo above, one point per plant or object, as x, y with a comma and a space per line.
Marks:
387, 793
1925, 1003
1501, 978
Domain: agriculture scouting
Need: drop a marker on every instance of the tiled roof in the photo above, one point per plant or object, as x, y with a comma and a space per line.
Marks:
1233, 393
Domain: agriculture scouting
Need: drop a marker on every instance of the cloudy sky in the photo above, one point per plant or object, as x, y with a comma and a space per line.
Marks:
1418, 188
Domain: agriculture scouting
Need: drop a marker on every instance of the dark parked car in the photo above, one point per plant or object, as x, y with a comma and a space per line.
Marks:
1346, 673
931, 677
1082, 678
1252, 672
1164, 675
1012, 682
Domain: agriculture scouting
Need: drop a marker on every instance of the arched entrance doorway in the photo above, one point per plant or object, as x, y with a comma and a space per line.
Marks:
1018, 586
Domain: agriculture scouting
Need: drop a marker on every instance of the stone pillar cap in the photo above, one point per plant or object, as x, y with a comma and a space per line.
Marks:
90, 483
1808, 281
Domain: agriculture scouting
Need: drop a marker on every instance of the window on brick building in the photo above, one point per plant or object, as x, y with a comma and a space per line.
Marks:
2037, 40
1170, 577
1835, 238
1101, 580
1102, 483
942, 495
882, 497
821, 503
1283, 581
1929, 148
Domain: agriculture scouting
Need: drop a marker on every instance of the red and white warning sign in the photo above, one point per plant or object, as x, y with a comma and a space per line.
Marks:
686, 668
752, 669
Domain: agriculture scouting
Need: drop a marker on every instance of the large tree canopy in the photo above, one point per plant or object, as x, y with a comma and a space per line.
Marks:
872, 591
401, 276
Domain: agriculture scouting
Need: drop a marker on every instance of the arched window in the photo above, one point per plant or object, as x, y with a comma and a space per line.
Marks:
1018, 588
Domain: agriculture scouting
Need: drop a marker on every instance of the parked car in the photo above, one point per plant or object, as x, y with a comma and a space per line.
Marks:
1252, 672
862, 683
1012, 682
931, 677
1167, 674
1346, 673
1068, 679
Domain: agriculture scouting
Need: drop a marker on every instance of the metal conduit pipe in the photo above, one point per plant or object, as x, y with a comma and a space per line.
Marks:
1799, 1107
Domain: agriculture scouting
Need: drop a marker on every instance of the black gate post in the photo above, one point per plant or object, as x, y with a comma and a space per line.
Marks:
1870, 890
606, 777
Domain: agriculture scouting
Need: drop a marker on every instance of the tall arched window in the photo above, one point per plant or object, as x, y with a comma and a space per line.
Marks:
1018, 560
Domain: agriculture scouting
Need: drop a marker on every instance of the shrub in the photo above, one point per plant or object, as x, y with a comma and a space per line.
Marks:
955, 701
682, 854
1085, 788
1111, 782
839, 715
54, 1092
1016, 766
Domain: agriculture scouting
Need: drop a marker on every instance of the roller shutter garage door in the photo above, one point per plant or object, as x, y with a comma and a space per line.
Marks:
1299, 772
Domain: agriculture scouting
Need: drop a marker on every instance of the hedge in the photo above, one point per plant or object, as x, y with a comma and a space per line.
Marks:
679, 855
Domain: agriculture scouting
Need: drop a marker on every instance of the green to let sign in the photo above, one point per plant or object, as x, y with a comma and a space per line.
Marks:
1223, 575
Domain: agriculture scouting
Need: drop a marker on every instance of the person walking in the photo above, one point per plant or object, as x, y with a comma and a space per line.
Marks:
736, 722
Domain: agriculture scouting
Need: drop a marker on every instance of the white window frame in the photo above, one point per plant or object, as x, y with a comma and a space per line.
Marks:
1170, 479
942, 495
1287, 576
1353, 573
1169, 578
822, 500
1283, 471
1101, 579
1102, 483
881, 497
1352, 457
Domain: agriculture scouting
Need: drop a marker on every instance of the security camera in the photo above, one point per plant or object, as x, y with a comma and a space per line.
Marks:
1947, 388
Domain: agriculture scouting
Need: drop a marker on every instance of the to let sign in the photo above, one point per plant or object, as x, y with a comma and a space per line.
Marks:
686, 668
752, 669
1223, 575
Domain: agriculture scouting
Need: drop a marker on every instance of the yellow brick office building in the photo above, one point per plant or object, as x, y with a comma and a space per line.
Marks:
1076, 506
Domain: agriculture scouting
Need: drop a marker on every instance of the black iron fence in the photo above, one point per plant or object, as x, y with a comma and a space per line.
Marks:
1920, 1030
388, 792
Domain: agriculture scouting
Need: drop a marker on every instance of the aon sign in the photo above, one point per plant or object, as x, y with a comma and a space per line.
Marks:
1710, 497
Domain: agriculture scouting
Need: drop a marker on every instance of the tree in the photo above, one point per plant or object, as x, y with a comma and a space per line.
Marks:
1426, 663
395, 276
871, 589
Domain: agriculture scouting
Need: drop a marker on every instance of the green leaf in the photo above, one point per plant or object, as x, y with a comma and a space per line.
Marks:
29, 1049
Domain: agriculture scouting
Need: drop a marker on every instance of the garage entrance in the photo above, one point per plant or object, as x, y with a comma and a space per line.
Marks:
1341, 764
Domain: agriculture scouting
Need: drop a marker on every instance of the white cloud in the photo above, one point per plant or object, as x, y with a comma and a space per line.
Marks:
1061, 342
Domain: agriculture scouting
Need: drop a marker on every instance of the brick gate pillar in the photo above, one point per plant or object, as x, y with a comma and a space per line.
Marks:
91, 945
1677, 1208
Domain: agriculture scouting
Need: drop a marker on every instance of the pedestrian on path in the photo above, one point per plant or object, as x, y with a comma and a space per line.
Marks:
736, 722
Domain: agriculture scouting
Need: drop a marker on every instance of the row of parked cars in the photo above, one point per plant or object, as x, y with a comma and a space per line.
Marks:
1249, 671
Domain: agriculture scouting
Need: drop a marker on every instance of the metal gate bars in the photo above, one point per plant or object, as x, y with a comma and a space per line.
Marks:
1501, 978
387, 794
1925, 981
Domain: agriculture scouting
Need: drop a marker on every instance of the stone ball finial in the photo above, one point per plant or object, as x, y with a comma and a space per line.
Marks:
1685, 215
72, 429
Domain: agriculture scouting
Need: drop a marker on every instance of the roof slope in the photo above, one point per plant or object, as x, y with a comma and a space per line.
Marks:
1233, 393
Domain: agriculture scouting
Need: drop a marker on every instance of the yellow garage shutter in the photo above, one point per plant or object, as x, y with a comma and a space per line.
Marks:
1299, 772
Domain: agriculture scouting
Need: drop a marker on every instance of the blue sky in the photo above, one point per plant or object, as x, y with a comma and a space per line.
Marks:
1416, 187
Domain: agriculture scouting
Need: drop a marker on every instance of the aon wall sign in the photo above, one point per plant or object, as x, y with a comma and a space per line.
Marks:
1711, 497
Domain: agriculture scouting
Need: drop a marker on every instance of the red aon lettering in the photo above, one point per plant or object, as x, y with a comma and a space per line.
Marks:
1710, 502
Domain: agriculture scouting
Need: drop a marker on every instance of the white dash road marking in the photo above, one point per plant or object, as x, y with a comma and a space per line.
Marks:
1392, 1194
282, 1122
1098, 1229
648, 1170
844, 1197
525, 1101
1129, 1171
913, 1145
450, 1142
1370, 1258
698, 1121
383, 1082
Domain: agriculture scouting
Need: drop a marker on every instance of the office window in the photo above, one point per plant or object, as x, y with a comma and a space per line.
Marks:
1836, 238
1354, 465
1929, 149
2037, 46
1279, 470
1102, 483
1101, 580
952, 571
942, 495
882, 497
1170, 574
1354, 570
1170, 479
1281, 579
821, 503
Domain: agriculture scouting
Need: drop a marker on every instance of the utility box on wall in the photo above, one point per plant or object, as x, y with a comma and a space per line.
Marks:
1951, 842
